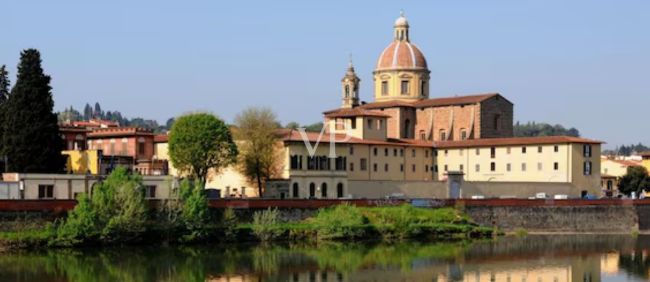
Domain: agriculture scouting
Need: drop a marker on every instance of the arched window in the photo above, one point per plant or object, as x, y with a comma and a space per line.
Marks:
423, 135
295, 190
347, 91
312, 190
443, 135
463, 134
339, 190
323, 190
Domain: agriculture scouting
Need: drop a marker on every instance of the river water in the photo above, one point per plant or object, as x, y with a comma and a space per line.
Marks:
554, 258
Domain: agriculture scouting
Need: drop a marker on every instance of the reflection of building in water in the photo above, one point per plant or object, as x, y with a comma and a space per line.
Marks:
609, 263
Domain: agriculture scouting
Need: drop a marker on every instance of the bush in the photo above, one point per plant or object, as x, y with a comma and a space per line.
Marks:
229, 224
340, 222
194, 211
266, 225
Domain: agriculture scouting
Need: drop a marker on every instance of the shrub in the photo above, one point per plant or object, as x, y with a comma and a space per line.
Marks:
229, 224
339, 222
520, 232
194, 211
265, 225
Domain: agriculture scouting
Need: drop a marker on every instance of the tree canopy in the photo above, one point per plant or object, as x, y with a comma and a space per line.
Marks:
4, 95
32, 143
533, 129
635, 180
199, 143
257, 139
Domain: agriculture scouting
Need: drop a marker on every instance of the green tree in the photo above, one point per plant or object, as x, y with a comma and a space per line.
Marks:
201, 142
34, 144
256, 131
292, 125
4, 95
635, 180
116, 212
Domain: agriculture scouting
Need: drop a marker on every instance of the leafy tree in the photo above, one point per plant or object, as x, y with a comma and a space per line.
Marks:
316, 127
34, 144
199, 143
292, 125
258, 159
532, 129
635, 180
116, 212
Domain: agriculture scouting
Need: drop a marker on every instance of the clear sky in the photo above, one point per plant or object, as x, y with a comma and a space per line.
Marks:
580, 63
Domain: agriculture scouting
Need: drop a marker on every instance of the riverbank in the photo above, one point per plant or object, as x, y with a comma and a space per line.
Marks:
340, 223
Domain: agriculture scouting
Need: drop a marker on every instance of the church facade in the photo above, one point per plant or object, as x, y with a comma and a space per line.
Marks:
408, 143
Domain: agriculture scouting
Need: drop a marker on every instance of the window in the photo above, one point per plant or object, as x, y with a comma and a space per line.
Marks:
374, 167
149, 191
586, 150
587, 168
374, 151
384, 88
426, 153
493, 166
369, 123
401, 167
312, 190
295, 190
460, 152
508, 167
443, 134
364, 164
413, 153
339, 163
556, 148
423, 135
323, 190
463, 134
493, 152
380, 124
351, 150
347, 91
386, 152
478, 168
46, 191
523, 166
141, 148
435, 168
351, 166
462, 168
423, 86
539, 166
407, 127
401, 152
523, 150
478, 151
339, 190
539, 149
296, 162
497, 121
404, 87
353, 123
394, 152
413, 168
508, 151
446, 167
385, 167
556, 166
426, 168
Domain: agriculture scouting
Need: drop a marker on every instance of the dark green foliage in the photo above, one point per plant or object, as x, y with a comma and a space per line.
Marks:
627, 150
635, 180
343, 221
4, 95
199, 143
31, 140
229, 223
266, 225
532, 129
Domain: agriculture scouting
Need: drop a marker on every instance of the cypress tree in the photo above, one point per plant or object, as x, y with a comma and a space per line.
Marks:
32, 142
4, 95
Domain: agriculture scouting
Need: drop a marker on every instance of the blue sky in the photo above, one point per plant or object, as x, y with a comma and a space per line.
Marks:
580, 63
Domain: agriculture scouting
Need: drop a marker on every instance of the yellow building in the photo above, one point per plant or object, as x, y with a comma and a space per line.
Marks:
83, 162
645, 160
611, 172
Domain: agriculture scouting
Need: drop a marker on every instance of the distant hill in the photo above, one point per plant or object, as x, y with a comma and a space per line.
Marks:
533, 129
89, 112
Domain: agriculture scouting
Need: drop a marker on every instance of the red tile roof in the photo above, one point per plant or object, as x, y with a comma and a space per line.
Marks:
514, 141
626, 162
119, 131
291, 135
161, 138
355, 112
427, 103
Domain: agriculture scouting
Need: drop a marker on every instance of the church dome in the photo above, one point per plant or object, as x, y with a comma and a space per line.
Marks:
401, 55
401, 21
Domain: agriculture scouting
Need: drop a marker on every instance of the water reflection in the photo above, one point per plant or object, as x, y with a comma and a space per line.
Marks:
531, 259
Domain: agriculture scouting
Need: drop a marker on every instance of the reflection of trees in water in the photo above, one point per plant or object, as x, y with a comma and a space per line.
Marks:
334, 260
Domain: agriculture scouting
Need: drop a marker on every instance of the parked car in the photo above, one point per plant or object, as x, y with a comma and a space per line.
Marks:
561, 197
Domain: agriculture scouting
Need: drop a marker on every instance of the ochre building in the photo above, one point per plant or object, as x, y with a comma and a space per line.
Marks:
406, 143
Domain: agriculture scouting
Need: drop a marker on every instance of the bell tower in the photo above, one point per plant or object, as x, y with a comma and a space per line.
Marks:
350, 83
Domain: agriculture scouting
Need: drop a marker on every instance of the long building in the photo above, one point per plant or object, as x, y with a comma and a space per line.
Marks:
406, 143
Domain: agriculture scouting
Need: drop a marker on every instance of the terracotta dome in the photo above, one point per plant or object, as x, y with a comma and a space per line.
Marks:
401, 55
